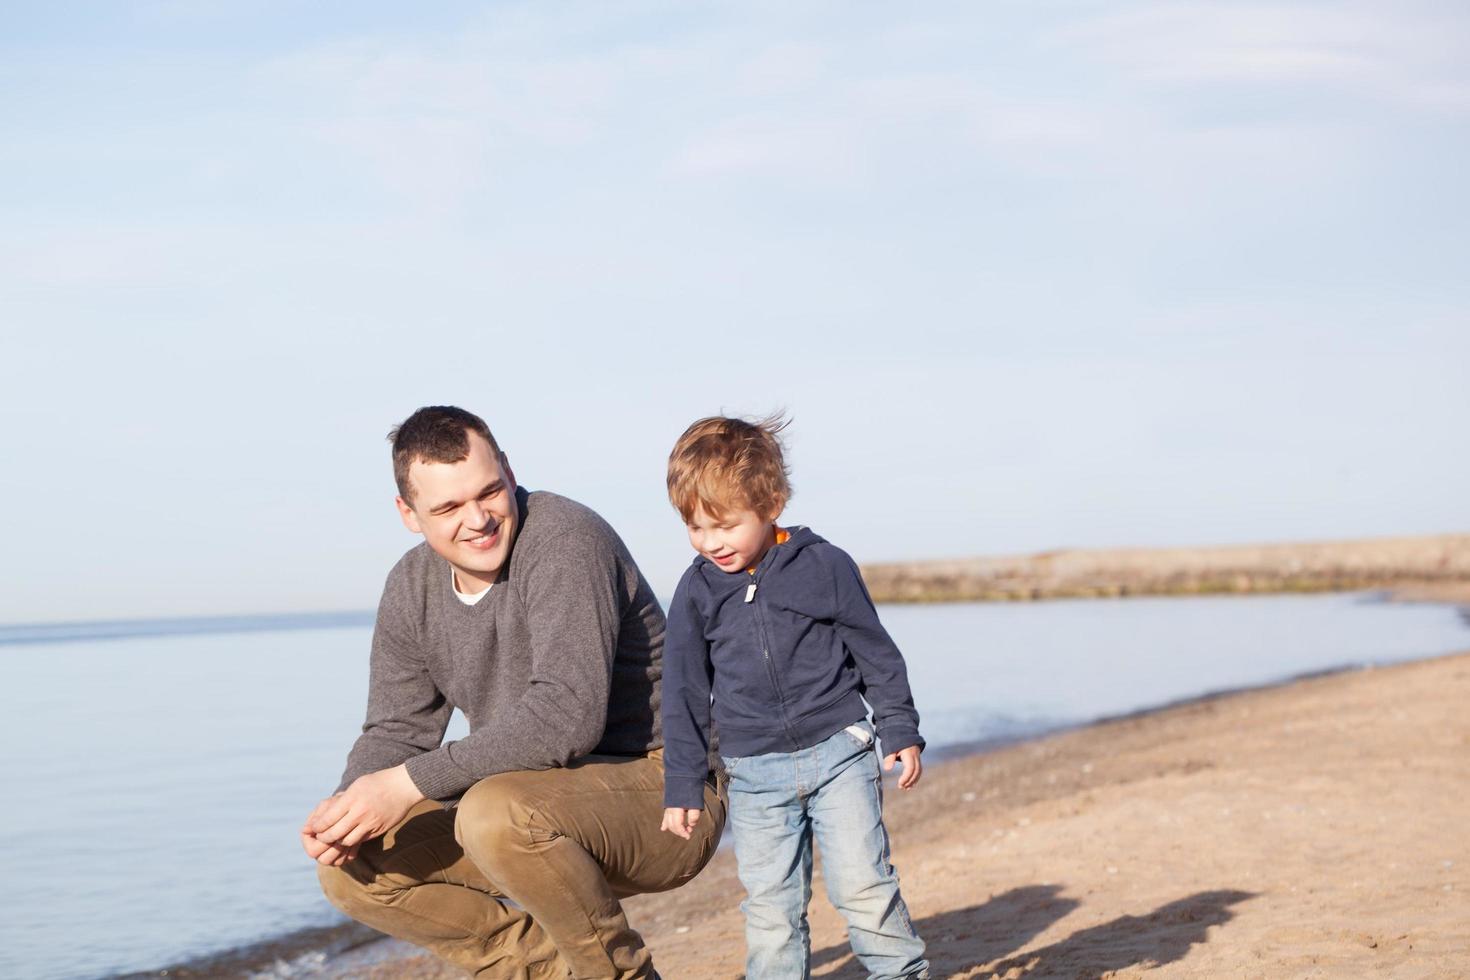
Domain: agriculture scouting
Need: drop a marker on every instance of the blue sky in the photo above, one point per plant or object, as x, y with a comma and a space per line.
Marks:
1027, 275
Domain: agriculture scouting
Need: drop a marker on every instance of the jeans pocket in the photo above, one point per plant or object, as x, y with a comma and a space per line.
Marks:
731, 761
860, 734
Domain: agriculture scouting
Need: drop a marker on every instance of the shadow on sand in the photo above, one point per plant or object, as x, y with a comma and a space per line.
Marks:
987, 935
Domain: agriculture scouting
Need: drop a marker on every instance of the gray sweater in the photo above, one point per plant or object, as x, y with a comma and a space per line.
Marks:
563, 658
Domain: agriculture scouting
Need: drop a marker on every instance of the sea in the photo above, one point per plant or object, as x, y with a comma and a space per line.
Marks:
158, 771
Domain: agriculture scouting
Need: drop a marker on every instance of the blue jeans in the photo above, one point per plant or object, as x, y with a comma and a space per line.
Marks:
832, 792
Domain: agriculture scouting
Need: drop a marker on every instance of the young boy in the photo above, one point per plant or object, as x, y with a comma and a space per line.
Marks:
773, 632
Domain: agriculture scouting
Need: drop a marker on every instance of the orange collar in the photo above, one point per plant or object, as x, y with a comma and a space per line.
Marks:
782, 536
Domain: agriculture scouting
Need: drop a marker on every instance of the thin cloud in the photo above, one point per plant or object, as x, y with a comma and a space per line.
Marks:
1410, 53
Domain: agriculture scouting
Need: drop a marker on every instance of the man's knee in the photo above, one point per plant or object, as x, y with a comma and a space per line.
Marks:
494, 819
350, 895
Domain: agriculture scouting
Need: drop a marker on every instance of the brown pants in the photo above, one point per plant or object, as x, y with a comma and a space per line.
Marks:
522, 879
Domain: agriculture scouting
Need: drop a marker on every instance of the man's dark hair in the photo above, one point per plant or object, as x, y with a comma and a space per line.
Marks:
434, 434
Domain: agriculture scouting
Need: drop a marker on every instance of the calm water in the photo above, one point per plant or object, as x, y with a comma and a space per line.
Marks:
155, 783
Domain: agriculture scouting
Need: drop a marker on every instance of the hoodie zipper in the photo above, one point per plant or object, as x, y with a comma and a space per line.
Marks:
760, 624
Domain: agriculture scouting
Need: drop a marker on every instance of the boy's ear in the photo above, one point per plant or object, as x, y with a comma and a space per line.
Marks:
406, 514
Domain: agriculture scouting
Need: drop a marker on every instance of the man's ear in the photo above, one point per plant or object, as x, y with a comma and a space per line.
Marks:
406, 514
510, 477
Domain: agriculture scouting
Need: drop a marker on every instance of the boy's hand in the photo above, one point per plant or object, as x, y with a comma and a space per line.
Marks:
912, 767
678, 820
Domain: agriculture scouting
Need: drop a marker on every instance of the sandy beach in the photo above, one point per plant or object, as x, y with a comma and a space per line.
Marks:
1317, 829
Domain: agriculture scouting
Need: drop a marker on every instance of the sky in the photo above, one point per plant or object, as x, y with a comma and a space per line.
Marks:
1025, 275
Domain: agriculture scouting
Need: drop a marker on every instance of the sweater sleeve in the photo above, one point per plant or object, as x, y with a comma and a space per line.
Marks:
885, 678
406, 712
686, 703
571, 594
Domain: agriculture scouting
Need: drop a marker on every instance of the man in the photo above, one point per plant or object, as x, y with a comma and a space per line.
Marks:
526, 612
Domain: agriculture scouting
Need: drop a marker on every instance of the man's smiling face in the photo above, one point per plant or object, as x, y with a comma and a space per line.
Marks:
466, 510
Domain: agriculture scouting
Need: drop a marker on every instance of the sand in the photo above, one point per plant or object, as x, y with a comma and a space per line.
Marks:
1318, 829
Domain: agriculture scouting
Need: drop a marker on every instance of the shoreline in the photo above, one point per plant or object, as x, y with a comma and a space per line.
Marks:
974, 793
309, 947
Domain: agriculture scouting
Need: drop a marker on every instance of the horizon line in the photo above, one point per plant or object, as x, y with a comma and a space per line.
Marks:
66, 631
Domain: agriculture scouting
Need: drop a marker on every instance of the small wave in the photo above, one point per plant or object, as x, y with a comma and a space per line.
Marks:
317, 952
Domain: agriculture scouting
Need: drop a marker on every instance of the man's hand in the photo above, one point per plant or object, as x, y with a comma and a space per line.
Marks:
368, 808
912, 767
329, 854
681, 821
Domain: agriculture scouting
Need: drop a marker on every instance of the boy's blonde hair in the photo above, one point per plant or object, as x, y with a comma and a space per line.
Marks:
725, 464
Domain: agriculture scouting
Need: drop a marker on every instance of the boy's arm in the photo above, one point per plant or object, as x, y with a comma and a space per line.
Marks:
686, 703
885, 678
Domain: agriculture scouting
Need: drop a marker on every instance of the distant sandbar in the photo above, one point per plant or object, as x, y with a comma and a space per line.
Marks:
1430, 568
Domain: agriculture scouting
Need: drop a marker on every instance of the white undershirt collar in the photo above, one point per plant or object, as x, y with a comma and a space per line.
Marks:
468, 598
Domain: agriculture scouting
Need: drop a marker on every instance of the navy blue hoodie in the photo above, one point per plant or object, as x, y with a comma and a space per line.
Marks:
788, 654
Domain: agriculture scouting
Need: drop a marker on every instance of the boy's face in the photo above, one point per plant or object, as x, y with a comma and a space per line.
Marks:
466, 511
735, 541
